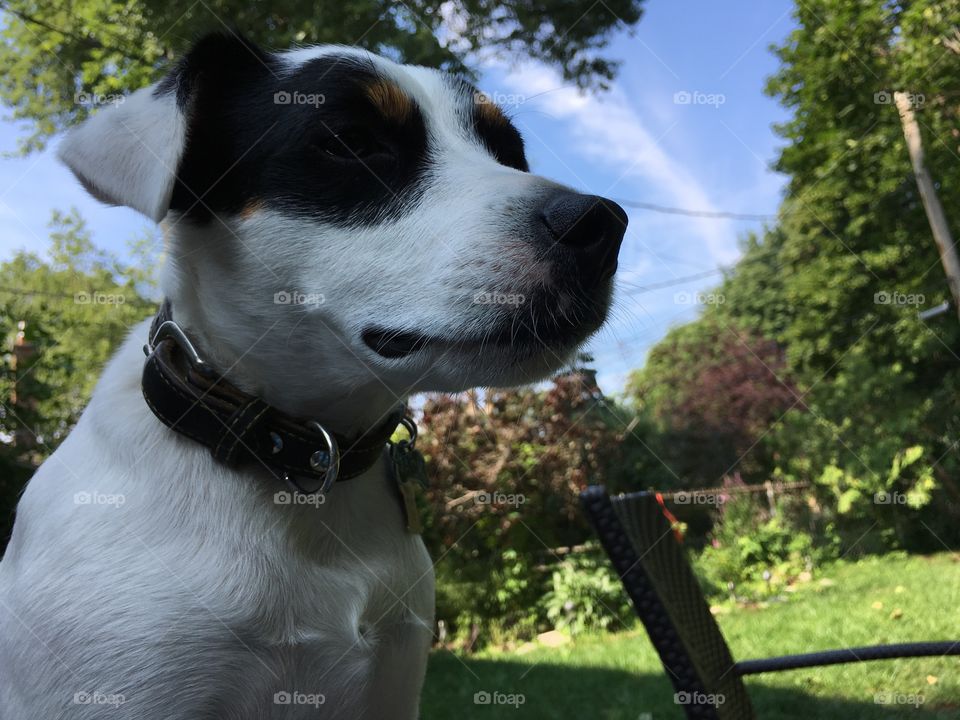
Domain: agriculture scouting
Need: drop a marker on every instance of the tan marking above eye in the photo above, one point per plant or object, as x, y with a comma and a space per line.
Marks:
252, 207
392, 102
489, 110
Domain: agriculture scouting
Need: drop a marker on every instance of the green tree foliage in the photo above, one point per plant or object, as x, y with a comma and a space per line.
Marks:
837, 284
712, 389
61, 316
858, 259
60, 56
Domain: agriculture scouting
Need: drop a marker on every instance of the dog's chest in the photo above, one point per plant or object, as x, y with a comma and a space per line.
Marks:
338, 591
302, 621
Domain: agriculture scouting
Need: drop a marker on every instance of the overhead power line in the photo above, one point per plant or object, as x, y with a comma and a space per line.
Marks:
680, 280
676, 281
85, 40
711, 214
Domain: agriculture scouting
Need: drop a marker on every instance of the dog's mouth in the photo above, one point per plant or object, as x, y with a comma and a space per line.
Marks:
395, 344
520, 340
552, 325
398, 344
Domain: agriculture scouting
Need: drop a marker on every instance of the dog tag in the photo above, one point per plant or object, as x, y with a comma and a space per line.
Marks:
410, 511
409, 464
410, 470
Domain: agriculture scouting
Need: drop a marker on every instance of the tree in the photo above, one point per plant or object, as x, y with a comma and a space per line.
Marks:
62, 56
61, 318
713, 390
858, 258
838, 282
854, 224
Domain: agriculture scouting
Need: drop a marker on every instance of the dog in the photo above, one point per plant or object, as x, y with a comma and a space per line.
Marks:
341, 231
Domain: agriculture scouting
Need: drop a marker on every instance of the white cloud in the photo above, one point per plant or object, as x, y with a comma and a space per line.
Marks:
610, 131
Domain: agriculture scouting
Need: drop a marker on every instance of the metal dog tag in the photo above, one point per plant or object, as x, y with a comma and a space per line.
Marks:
410, 470
409, 464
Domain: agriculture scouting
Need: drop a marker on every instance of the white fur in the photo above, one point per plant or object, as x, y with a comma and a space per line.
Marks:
198, 596
128, 154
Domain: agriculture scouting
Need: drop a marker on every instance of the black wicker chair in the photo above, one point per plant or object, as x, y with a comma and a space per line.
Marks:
659, 580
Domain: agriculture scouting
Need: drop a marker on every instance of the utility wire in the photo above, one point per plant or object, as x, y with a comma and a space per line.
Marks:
742, 262
93, 42
712, 214
676, 281
88, 41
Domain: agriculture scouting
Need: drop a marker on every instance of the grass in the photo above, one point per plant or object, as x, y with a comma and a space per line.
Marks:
619, 677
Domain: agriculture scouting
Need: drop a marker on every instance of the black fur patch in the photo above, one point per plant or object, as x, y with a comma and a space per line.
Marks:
306, 140
492, 127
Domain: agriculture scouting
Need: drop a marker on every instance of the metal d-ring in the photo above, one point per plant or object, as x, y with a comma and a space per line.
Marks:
332, 463
411, 428
169, 328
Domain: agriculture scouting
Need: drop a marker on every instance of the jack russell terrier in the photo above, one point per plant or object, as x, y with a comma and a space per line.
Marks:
222, 534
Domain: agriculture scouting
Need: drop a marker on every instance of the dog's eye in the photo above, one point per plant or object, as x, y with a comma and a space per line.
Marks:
352, 146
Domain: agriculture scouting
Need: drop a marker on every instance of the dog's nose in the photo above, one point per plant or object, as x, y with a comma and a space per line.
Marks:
592, 227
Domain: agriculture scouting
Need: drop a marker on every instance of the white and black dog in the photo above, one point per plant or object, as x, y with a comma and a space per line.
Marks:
341, 230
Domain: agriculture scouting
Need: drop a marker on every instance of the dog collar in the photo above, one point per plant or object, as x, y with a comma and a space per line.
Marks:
188, 396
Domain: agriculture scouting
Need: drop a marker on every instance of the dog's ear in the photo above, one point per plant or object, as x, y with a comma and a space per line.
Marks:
129, 153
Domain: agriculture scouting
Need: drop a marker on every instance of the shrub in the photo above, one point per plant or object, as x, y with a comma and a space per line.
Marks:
586, 594
753, 554
499, 603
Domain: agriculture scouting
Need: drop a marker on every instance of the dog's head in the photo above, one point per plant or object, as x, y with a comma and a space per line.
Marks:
366, 217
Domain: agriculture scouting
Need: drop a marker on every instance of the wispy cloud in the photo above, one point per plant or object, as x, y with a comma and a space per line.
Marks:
610, 130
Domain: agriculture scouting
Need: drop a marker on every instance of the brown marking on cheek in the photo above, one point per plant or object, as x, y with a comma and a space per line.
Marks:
488, 110
252, 207
389, 100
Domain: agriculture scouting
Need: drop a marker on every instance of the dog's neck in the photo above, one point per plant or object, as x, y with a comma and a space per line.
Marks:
347, 401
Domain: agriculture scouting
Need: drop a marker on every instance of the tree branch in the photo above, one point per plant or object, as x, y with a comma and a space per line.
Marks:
85, 40
953, 43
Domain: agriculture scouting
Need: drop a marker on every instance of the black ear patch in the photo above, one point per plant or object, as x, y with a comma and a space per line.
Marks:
212, 58
330, 139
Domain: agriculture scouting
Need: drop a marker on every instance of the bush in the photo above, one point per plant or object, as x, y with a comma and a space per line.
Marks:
506, 467
586, 594
517, 599
754, 555
497, 603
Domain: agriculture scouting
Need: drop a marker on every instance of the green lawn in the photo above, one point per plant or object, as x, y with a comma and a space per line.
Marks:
618, 677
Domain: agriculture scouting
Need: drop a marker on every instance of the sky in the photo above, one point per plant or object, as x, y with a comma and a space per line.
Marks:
685, 125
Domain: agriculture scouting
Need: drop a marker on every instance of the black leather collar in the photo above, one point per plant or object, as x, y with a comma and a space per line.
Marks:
191, 398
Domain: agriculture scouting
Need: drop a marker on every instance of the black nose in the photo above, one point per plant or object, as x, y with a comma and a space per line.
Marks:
592, 227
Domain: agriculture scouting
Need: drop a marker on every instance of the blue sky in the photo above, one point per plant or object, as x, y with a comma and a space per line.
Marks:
640, 141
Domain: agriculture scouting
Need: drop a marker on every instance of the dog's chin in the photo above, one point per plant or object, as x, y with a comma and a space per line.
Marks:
441, 365
510, 351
